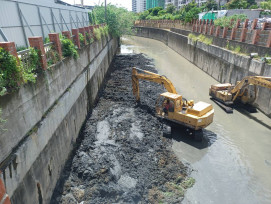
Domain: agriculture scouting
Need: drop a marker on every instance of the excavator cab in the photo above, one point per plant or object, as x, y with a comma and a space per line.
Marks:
172, 106
167, 103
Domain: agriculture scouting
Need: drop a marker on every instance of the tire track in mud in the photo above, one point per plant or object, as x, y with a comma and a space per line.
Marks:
123, 157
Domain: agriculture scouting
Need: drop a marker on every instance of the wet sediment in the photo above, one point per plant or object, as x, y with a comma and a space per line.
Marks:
124, 157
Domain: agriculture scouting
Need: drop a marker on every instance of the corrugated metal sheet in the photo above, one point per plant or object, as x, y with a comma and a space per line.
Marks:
11, 20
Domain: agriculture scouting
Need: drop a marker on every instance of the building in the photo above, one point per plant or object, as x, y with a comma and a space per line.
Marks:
181, 3
174, 2
155, 3
138, 5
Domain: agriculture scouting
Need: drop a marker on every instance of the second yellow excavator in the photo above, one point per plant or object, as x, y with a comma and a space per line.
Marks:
227, 94
172, 106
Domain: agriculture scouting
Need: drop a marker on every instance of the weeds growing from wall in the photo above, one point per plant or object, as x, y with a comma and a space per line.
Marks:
10, 72
97, 34
68, 48
89, 38
30, 71
236, 50
82, 40
13, 72
200, 38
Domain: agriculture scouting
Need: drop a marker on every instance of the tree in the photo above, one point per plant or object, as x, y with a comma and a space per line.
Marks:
162, 12
189, 12
251, 3
155, 11
190, 6
266, 5
119, 20
237, 4
192, 14
143, 15
170, 8
210, 5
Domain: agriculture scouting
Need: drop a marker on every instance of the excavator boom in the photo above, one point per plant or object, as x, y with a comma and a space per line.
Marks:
150, 76
226, 94
253, 80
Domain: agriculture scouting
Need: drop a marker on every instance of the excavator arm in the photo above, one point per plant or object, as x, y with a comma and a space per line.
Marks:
251, 80
150, 76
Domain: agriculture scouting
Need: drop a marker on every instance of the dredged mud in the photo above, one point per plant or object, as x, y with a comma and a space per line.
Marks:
123, 157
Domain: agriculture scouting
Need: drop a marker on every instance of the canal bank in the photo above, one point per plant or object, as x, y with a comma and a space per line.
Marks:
233, 165
43, 121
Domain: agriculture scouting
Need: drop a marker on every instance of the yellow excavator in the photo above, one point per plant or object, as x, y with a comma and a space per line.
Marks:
172, 106
225, 95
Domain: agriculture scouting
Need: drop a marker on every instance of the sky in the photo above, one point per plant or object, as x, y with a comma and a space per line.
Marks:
121, 3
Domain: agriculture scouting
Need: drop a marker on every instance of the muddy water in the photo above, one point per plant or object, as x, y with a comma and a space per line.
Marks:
233, 164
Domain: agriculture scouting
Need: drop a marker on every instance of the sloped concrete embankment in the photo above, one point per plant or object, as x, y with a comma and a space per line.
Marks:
44, 120
220, 63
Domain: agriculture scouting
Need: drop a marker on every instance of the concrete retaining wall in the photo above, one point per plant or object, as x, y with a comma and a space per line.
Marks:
222, 64
44, 120
223, 42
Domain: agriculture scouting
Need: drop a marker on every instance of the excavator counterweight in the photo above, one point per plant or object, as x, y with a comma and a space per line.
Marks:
172, 106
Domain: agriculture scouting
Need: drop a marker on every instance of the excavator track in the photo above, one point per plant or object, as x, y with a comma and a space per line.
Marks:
224, 106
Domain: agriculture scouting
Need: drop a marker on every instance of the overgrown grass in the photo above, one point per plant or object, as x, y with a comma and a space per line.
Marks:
200, 38
236, 50
97, 34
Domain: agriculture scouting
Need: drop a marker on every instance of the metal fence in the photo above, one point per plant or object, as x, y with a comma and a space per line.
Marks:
20, 19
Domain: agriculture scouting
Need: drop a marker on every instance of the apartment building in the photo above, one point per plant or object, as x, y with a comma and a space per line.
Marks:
181, 3
155, 3
138, 5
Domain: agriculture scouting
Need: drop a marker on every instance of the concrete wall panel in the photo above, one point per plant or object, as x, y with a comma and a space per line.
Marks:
68, 91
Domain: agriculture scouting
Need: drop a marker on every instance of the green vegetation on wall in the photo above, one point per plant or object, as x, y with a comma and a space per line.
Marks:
68, 48
13, 73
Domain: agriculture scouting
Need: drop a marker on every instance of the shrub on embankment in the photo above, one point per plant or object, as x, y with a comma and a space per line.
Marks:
13, 73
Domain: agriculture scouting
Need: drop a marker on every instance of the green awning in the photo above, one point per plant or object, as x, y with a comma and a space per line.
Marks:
210, 16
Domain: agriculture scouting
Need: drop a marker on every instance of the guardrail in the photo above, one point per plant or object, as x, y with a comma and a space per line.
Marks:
248, 32
50, 53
